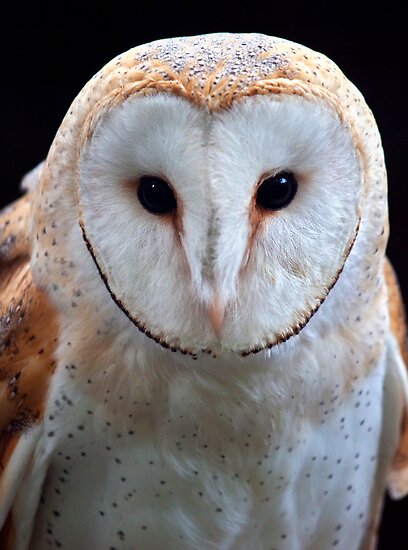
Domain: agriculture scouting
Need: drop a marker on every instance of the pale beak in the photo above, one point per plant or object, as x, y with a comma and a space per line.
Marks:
216, 314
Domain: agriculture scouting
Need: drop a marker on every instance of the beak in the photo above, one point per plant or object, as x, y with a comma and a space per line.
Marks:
216, 314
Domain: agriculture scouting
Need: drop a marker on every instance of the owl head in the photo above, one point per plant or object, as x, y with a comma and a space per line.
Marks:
215, 187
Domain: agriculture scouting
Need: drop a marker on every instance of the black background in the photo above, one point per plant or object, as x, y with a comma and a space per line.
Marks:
48, 55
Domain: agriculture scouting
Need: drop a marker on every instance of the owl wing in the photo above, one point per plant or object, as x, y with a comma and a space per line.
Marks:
398, 362
28, 333
393, 445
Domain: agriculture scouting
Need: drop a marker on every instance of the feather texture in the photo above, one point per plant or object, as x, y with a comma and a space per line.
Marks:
28, 333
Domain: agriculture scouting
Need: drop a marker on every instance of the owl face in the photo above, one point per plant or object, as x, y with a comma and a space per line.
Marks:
219, 230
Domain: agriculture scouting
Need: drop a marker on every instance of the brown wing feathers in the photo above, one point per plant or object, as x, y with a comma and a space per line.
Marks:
396, 310
398, 480
28, 331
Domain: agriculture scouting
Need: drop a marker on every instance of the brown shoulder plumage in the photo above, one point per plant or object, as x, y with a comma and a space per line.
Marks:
28, 331
398, 478
396, 310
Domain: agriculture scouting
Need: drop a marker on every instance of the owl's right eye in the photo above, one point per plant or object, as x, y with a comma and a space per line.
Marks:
155, 195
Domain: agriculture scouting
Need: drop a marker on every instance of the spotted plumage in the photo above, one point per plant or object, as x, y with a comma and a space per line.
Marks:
222, 367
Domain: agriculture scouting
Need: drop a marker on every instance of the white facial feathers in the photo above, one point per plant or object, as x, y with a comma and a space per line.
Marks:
269, 273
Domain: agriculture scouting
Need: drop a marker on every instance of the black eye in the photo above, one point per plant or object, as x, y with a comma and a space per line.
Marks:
276, 191
155, 195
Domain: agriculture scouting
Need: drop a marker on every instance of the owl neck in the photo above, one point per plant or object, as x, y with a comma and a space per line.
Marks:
173, 395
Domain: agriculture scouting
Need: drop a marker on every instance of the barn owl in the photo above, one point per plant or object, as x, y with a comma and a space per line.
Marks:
202, 341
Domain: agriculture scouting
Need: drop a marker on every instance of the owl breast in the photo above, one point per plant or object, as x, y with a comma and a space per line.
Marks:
173, 481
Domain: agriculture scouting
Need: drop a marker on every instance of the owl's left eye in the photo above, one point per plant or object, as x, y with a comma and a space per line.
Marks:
156, 195
277, 191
